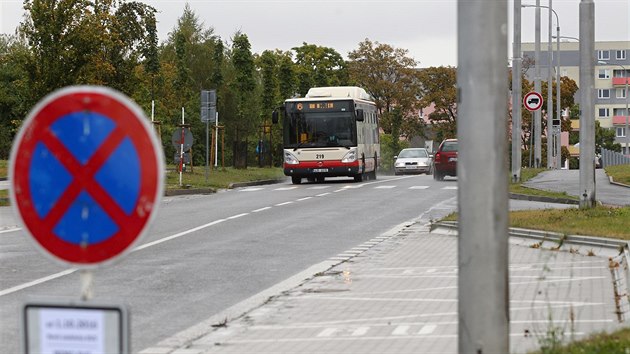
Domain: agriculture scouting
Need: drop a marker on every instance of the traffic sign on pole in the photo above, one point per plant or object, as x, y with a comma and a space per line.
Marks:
533, 101
86, 170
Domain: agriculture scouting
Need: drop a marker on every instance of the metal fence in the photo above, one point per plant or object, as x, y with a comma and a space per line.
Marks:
612, 158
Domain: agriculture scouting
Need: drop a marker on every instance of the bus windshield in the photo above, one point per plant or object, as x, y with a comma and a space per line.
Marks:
319, 129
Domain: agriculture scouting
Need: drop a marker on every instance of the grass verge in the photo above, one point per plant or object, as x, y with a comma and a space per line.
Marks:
613, 343
219, 178
619, 173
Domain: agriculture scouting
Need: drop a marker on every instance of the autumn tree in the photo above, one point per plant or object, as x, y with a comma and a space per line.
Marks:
439, 89
390, 77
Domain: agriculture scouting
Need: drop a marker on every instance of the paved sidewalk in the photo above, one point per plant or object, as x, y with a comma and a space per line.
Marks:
569, 181
398, 294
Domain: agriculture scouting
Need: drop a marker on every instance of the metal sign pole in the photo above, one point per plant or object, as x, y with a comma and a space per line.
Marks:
516, 95
181, 151
537, 88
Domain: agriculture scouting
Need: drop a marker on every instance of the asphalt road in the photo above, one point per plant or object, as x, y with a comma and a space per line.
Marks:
205, 253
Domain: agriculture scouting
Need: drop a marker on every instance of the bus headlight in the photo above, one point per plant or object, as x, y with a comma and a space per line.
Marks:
290, 159
350, 156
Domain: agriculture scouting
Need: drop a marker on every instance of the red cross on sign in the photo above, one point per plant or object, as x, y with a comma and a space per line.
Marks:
87, 174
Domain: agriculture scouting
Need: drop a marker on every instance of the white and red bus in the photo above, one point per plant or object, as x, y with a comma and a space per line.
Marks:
331, 132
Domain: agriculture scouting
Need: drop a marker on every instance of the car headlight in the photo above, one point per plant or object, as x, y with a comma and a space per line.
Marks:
399, 164
350, 156
290, 159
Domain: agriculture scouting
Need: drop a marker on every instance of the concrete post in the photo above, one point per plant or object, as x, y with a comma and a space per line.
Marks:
587, 113
517, 89
558, 98
537, 88
483, 299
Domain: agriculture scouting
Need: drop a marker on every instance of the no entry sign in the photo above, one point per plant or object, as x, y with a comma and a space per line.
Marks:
86, 171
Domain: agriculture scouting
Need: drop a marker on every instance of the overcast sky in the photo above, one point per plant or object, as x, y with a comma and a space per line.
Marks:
427, 28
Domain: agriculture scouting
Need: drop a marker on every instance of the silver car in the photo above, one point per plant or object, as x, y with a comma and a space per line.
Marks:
413, 160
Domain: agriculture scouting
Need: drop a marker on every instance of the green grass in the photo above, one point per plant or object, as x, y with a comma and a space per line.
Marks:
218, 178
619, 173
599, 221
613, 343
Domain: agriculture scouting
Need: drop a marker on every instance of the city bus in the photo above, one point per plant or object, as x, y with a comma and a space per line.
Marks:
331, 132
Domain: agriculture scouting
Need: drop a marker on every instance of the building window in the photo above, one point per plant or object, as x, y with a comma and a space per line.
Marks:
619, 112
603, 93
621, 55
603, 55
621, 93
604, 74
604, 112
621, 132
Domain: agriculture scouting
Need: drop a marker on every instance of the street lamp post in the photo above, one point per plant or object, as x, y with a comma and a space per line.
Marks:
550, 133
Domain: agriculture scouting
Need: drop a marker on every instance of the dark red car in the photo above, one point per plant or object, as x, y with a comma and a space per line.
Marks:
445, 160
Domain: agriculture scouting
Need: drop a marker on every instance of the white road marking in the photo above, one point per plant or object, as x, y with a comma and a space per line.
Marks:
384, 187
261, 209
236, 216
322, 195
172, 237
327, 332
284, 188
250, 189
400, 331
36, 282
450, 187
11, 230
305, 198
318, 187
361, 331
285, 203
419, 187
427, 329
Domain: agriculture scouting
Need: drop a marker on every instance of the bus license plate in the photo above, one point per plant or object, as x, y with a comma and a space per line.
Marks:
320, 170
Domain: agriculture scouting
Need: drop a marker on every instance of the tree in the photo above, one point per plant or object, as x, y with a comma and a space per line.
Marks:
85, 42
15, 95
246, 119
605, 139
318, 66
390, 77
439, 89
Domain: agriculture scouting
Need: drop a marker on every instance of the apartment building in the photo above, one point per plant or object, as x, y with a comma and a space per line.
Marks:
612, 75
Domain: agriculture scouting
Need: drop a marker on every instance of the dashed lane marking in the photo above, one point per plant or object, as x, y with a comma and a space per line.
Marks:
450, 187
419, 187
384, 187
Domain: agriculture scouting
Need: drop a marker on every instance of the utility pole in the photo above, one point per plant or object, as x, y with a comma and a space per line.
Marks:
483, 291
587, 89
537, 88
517, 61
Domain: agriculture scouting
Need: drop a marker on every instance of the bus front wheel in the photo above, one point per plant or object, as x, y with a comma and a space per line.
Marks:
296, 180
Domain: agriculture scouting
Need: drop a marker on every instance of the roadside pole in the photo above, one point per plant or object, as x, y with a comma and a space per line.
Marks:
516, 95
537, 88
587, 89
181, 151
550, 132
483, 291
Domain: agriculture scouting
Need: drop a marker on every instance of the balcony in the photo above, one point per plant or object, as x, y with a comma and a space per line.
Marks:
619, 120
620, 81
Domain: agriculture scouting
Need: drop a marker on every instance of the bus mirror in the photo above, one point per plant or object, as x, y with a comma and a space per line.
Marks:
360, 115
274, 117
